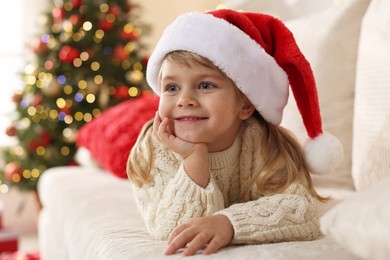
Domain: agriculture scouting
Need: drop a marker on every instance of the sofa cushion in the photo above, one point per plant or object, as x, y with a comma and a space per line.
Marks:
361, 222
89, 214
329, 40
110, 137
371, 130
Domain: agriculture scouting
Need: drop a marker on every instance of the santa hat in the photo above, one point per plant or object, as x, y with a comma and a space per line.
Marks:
260, 55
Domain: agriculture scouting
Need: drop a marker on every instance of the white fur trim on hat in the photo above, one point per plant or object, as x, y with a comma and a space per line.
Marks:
242, 59
323, 153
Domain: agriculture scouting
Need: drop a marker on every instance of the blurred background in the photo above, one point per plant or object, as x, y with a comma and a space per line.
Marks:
22, 22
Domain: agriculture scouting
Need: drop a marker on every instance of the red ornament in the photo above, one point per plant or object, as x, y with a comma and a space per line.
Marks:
38, 46
120, 53
37, 100
65, 110
11, 130
115, 10
16, 97
121, 92
12, 169
44, 140
130, 36
58, 14
75, 19
77, 3
68, 53
105, 25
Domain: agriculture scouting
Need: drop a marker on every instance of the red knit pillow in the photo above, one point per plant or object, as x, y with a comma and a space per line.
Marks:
110, 137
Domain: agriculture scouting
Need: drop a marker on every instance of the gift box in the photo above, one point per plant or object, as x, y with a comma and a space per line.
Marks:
20, 256
8, 240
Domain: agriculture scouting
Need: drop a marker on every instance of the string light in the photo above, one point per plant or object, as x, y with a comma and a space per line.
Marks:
65, 150
133, 92
87, 26
60, 103
95, 66
78, 116
98, 79
90, 98
84, 56
96, 112
68, 89
87, 117
68, 119
99, 34
82, 84
31, 111
78, 97
15, 178
104, 8
40, 150
4, 188
26, 174
68, 6
77, 62
35, 173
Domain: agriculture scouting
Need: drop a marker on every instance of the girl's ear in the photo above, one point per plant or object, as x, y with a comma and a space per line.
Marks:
247, 108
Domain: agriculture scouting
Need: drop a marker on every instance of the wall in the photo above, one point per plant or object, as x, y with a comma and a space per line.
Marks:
158, 14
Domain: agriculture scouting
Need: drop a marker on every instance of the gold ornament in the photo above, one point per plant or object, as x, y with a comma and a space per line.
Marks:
51, 88
104, 96
92, 87
69, 135
135, 76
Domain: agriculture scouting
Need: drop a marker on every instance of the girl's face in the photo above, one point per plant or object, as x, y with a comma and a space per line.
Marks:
204, 106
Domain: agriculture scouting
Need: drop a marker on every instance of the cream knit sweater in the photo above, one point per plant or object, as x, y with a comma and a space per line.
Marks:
173, 198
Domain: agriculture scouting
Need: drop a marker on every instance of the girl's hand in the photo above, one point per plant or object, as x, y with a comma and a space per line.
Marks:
163, 130
196, 161
211, 233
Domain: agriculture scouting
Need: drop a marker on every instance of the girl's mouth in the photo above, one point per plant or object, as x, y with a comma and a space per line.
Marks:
189, 118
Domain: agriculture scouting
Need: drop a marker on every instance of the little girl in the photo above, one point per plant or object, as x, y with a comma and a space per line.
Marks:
214, 167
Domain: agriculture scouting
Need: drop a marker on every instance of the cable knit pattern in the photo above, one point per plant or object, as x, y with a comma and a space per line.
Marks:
173, 198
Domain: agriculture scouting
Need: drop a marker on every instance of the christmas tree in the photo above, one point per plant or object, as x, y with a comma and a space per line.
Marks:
86, 60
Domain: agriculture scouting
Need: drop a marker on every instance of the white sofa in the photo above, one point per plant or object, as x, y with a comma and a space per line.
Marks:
89, 214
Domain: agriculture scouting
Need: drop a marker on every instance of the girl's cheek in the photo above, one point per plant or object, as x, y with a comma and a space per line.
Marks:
163, 110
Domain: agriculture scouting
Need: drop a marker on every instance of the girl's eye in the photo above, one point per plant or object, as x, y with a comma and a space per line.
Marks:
206, 85
171, 88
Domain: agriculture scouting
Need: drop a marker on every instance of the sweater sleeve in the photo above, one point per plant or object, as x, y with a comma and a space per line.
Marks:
173, 198
288, 216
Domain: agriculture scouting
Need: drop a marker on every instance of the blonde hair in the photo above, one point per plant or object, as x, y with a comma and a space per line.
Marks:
283, 161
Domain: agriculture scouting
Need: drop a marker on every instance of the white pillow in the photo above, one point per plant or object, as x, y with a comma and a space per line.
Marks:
371, 130
361, 223
329, 40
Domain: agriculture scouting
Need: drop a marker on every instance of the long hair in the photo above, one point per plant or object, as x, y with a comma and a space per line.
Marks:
283, 162
139, 162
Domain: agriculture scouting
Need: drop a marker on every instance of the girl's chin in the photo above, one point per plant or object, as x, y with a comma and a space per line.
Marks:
190, 139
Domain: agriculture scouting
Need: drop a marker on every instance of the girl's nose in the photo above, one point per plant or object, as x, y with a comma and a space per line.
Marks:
187, 99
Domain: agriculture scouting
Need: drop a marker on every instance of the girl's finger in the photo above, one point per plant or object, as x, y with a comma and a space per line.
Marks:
213, 246
177, 231
162, 131
156, 124
198, 243
181, 240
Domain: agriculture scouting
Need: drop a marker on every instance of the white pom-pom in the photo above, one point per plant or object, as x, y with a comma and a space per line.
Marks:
323, 153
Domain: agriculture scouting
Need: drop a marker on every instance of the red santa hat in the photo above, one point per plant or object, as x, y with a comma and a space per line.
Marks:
260, 55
